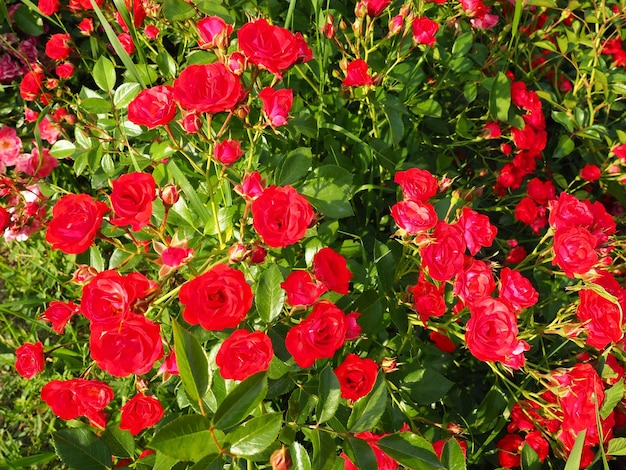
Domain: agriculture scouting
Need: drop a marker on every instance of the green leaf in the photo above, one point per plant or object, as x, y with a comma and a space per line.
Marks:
500, 98
329, 395
324, 449
181, 180
428, 108
214, 8
463, 44
79, 448
294, 166
95, 258
363, 455
530, 459
328, 189
299, 457
32, 460
177, 10
490, 409
193, 364
367, 410
452, 456
104, 74
121, 442
241, 401
612, 397
95, 105
573, 461
62, 149
410, 450
118, 257
269, 296
28, 21
617, 446
125, 93
186, 438
210, 462
564, 147
163, 461
427, 385
255, 435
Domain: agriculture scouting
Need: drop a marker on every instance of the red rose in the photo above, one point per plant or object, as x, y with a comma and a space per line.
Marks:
331, 269
31, 85
276, 105
140, 412
474, 282
540, 191
214, 32
478, 231
590, 173
79, 397
417, 184
64, 70
601, 317
568, 211
442, 342
270, 47
243, 354
414, 216
153, 107
281, 216
356, 376
444, 256
510, 450
428, 300
29, 359
376, 7
318, 336
48, 7
208, 88
227, 151
127, 42
424, 31
76, 219
218, 299
58, 46
59, 313
491, 333
131, 200
301, 289
574, 250
518, 290
357, 75
130, 347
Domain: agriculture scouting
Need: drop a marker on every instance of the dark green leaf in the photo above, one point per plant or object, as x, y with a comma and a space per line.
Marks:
79, 448
612, 397
241, 401
324, 449
192, 362
121, 443
186, 438
530, 459
427, 385
564, 147
177, 10
28, 21
617, 446
490, 410
410, 450
269, 296
500, 98
255, 435
452, 456
463, 44
299, 457
362, 453
210, 462
294, 166
104, 74
367, 410
430, 108
328, 189
181, 180
329, 395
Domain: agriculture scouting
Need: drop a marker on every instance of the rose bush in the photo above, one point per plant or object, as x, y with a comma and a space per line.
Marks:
312, 235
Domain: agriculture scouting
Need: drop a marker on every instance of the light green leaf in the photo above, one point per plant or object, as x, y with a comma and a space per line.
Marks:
241, 401
80, 449
255, 435
104, 74
573, 461
192, 362
299, 457
410, 450
62, 149
452, 456
125, 93
269, 296
95, 258
612, 397
367, 410
95, 105
428, 108
196, 203
500, 98
329, 395
463, 44
186, 438
32, 460
617, 446
328, 189
177, 10
324, 449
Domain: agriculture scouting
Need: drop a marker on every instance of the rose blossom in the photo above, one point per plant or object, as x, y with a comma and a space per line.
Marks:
281, 216
424, 31
31, 85
243, 354
271, 47
444, 255
36, 165
76, 219
414, 216
590, 173
10, 146
356, 376
474, 282
477, 229
208, 88
131, 200
357, 75
70, 399
428, 299
602, 319
130, 347
58, 46
140, 412
228, 151
217, 299
417, 184
276, 105
518, 290
214, 32
574, 250
568, 211
153, 107
29, 359
331, 270
318, 336
301, 290
59, 314
48, 7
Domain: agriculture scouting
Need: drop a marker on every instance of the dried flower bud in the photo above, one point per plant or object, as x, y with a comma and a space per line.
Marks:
84, 274
280, 459
237, 253
169, 194
389, 364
